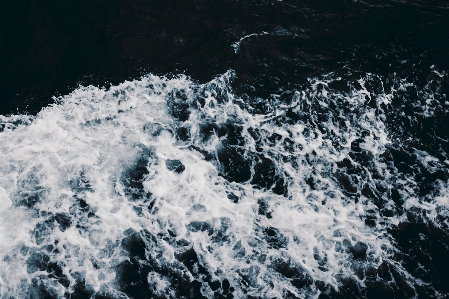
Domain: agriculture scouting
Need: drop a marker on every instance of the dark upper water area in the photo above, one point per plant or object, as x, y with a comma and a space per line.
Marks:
48, 48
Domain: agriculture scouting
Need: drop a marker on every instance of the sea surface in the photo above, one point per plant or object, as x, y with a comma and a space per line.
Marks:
224, 149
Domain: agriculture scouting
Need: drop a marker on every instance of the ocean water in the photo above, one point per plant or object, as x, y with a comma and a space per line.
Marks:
289, 154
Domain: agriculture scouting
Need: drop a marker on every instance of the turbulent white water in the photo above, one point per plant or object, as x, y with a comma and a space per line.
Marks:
191, 183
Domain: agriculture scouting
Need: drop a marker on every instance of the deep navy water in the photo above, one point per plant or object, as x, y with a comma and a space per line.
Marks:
224, 149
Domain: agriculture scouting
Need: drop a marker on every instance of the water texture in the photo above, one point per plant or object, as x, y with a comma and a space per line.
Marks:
278, 149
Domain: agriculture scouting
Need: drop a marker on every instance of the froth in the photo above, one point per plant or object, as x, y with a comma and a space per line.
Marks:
182, 180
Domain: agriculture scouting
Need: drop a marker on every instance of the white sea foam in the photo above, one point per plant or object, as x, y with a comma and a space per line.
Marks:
236, 45
71, 158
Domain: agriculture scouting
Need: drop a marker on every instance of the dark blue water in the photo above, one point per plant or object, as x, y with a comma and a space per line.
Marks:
224, 149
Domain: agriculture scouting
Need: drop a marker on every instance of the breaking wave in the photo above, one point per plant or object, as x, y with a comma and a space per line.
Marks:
166, 188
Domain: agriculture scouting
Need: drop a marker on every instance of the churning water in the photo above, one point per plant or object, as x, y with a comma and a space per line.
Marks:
291, 150
166, 188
